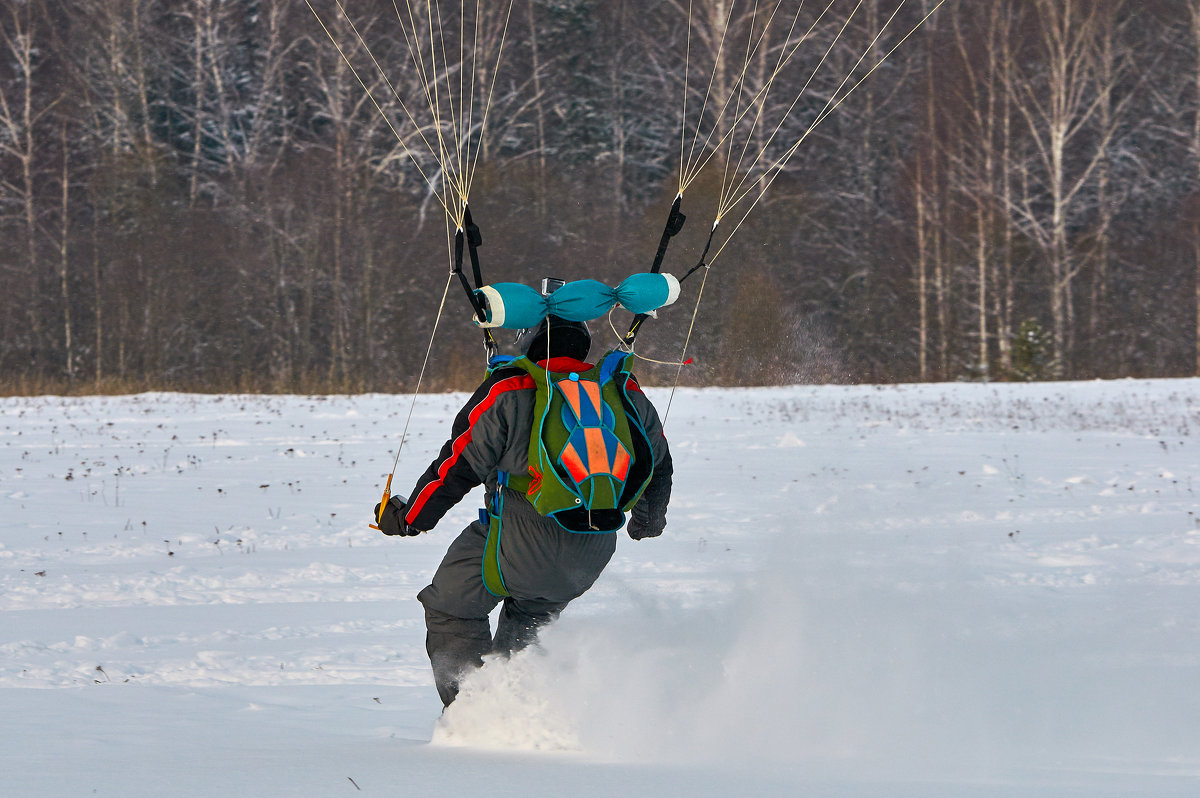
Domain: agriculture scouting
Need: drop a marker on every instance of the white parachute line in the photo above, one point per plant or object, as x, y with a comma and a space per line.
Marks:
424, 367
428, 348
386, 80
728, 205
450, 232
830, 105
696, 165
777, 167
740, 89
378, 68
762, 103
459, 159
439, 74
455, 109
686, 342
683, 125
429, 81
780, 163
760, 96
491, 93
429, 78
371, 96
712, 77
787, 52
467, 97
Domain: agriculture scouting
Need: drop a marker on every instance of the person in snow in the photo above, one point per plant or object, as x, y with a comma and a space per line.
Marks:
545, 566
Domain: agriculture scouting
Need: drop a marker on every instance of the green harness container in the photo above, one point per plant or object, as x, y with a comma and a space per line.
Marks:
590, 458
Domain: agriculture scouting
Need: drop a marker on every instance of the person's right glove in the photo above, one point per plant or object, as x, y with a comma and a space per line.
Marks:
391, 521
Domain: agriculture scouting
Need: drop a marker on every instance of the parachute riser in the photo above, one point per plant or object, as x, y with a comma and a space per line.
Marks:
469, 238
702, 263
675, 220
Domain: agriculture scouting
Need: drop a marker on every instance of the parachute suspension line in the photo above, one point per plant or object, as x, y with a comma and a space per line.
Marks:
687, 174
370, 95
741, 192
683, 358
454, 116
452, 186
760, 98
437, 152
831, 106
728, 191
687, 66
491, 93
741, 92
734, 192
464, 135
456, 161
690, 167
676, 218
387, 489
455, 110
786, 53
433, 97
739, 88
414, 52
452, 170
708, 90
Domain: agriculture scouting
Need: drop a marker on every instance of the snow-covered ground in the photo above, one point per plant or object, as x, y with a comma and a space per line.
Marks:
947, 590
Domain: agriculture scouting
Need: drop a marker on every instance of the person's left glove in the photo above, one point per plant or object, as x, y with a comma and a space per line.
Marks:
391, 521
640, 529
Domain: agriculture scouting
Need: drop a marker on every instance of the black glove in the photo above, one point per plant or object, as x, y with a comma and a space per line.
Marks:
649, 516
639, 528
392, 521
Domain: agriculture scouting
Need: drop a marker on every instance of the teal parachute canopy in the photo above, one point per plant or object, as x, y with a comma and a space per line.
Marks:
515, 306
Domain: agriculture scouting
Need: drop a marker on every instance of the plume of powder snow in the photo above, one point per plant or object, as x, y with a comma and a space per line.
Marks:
506, 705
877, 669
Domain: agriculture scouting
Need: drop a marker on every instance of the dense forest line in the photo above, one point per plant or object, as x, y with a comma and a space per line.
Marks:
204, 195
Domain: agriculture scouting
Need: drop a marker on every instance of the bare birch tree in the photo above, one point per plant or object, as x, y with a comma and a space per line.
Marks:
1193, 9
111, 46
1060, 98
23, 108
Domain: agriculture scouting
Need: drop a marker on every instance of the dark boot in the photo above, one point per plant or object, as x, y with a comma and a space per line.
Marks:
518, 628
455, 647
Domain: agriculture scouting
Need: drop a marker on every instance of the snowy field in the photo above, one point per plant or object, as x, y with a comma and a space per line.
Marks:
927, 591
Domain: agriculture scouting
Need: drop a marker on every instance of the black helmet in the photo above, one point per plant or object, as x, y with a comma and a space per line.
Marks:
556, 337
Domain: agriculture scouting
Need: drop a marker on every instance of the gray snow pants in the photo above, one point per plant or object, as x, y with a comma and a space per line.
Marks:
545, 567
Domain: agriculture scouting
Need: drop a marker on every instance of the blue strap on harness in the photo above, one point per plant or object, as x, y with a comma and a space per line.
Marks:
493, 579
612, 363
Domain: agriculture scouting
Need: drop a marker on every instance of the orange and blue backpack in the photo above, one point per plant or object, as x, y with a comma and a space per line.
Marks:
590, 457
